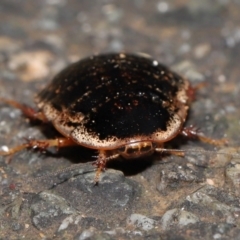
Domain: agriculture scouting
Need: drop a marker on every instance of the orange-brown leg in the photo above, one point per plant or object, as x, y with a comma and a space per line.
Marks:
100, 163
175, 152
39, 144
26, 110
192, 132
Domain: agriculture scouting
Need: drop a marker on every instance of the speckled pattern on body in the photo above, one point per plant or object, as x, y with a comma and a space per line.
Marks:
106, 101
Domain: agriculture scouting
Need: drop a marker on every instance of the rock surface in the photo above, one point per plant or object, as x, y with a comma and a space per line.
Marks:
162, 197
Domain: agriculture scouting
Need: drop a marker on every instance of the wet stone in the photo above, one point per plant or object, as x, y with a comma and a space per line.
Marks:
226, 157
140, 221
16, 226
86, 234
176, 176
177, 217
68, 221
48, 181
10, 205
204, 230
233, 175
49, 207
92, 222
114, 193
81, 223
89, 234
212, 203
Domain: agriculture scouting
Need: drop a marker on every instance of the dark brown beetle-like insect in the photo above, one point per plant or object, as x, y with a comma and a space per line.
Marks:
119, 104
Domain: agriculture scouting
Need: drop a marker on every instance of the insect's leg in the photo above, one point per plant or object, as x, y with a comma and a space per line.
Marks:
40, 144
100, 163
194, 133
26, 110
175, 152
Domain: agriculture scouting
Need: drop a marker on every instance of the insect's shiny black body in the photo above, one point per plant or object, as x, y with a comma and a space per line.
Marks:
116, 96
118, 104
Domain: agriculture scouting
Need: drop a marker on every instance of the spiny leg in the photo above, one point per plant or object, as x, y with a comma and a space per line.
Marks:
192, 132
40, 144
26, 110
101, 162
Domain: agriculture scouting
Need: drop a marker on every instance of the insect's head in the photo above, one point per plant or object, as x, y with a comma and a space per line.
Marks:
137, 149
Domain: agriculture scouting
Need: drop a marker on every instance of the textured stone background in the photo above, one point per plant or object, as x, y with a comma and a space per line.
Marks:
196, 197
